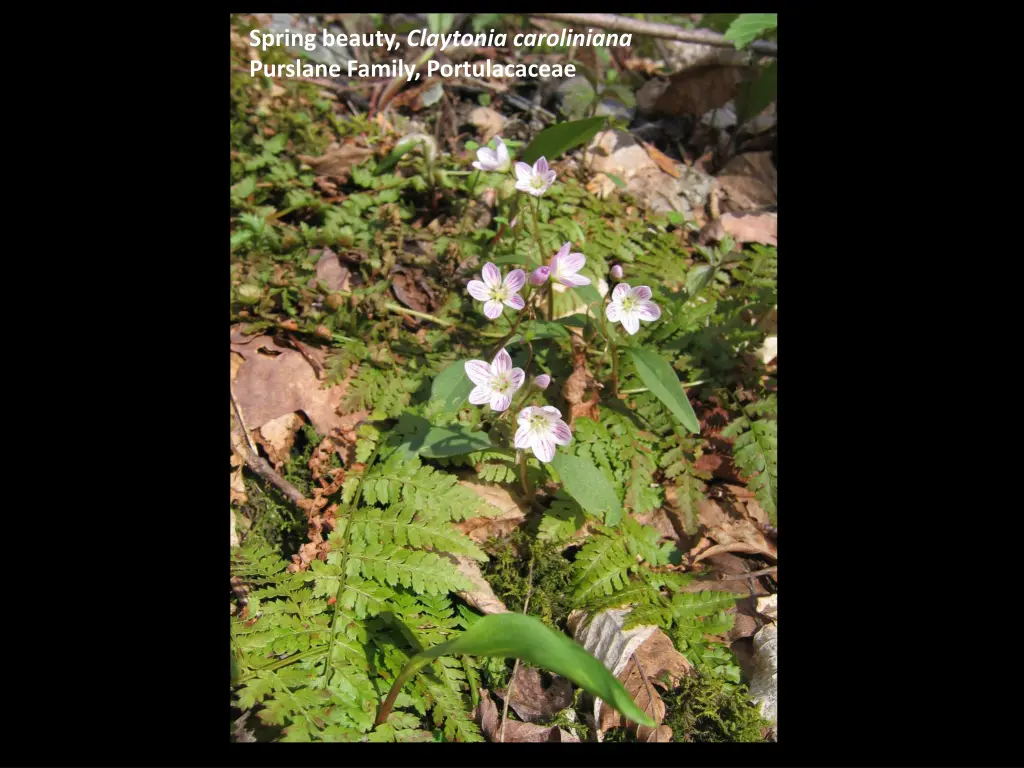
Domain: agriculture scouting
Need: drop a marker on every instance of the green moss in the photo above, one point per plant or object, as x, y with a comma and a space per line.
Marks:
507, 574
708, 709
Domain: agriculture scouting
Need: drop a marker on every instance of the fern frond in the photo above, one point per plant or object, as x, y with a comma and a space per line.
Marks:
419, 570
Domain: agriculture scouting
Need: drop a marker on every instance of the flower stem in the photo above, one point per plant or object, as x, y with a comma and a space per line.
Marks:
534, 209
615, 370
527, 488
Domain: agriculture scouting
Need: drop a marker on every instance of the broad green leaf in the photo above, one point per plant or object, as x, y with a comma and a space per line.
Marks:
513, 635
755, 96
588, 293
585, 483
698, 277
558, 139
747, 26
544, 329
452, 386
453, 441
244, 188
663, 382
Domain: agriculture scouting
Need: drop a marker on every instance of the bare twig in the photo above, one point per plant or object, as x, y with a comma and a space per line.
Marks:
653, 29
241, 422
268, 473
515, 668
647, 685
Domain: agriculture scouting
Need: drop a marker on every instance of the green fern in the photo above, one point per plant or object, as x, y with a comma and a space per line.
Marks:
755, 451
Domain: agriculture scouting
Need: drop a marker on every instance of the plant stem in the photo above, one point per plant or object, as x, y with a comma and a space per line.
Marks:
534, 209
527, 488
615, 370
391, 306
414, 666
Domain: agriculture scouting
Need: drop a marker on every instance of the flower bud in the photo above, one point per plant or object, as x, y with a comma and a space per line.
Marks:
539, 276
617, 272
542, 381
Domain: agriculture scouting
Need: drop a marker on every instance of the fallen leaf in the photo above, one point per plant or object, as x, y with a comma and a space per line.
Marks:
481, 597
330, 269
337, 160
733, 533
700, 89
666, 163
489, 122
601, 186
531, 701
749, 182
274, 381
277, 437
412, 289
509, 516
743, 228
516, 731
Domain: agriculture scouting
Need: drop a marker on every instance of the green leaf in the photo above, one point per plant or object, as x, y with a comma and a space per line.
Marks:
585, 483
453, 441
747, 26
662, 381
619, 182
513, 635
588, 293
544, 329
697, 278
755, 96
396, 154
244, 188
440, 23
558, 139
451, 387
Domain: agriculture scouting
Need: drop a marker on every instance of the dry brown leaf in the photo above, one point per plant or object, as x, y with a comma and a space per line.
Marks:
510, 516
238, 495
531, 701
733, 533
601, 186
481, 596
666, 163
700, 89
515, 731
411, 287
489, 122
337, 160
277, 437
749, 182
330, 269
743, 228
274, 381
655, 658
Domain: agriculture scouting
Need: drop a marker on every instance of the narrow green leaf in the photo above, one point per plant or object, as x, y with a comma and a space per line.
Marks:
558, 139
513, 635
585, 483
452, 386
453, 441
662, 381
618, 182
396, 154
747, 26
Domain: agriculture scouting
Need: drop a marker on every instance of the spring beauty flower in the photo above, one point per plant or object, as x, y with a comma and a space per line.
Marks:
617, 272
493, 292
495, 383
539, 276
534, 181
542, 381
631, 305
540, 430
493, 159
565, 265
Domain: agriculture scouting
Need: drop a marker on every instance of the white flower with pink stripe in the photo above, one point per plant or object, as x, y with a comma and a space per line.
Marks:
631, 305
495, 383
494, 292
565, 265
540, 430
536, 180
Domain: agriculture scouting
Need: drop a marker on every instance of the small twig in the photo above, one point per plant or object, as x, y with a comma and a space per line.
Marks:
241, 422
515, 668
268, 473
654, 29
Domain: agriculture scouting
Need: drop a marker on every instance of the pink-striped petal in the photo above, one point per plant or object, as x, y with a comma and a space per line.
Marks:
612, 312
516, 302
551, 411
491, 275
560, 433
523, 172
572, 262
620, 292
478, 290
573, 280
515, 280
642, 292
478, 371
550, 178
502, 151
541, 166
525, 414
518, 377
502, 362
492, 309
522, 440
500, 402
648, 310
523, 185
543, 448
480, 395
631, 322
542, 381
562, 253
